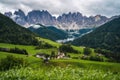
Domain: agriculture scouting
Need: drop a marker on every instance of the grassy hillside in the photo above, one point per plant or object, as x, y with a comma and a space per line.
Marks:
61, 69
64, 70
34, 62
10, 32
49, 42
31, 50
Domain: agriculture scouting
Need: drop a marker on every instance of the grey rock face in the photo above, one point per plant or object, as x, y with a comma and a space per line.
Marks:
69, 21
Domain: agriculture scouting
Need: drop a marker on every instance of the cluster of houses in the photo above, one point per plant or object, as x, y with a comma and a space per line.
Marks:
59, 55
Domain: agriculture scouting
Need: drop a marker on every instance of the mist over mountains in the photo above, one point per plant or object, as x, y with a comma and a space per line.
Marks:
106, 36
66, 21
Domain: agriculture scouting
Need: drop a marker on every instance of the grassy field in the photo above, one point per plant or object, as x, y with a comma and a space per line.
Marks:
49, 42
62, 69
31, 49
85, 64
58, 73
36, 62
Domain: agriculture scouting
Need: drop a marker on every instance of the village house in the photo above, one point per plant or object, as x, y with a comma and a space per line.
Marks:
60, 55
41, 55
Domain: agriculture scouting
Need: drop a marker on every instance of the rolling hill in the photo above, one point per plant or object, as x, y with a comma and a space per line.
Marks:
10, 32
106, 36
49, 32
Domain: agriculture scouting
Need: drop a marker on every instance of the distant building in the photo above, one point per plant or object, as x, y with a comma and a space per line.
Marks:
60, 55
42, 55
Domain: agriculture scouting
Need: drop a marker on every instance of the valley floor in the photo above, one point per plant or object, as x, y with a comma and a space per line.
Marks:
58, 69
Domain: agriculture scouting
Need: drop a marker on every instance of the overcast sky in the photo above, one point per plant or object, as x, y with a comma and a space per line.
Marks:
57, 7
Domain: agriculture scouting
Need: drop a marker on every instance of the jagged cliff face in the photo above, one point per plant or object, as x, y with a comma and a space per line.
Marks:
78, 21
70, 21
18, 16
43, 17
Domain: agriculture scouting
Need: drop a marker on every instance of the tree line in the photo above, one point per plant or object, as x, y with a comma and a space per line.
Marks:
14, 50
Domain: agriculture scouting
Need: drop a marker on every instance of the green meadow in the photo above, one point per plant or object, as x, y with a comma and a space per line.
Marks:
58, 69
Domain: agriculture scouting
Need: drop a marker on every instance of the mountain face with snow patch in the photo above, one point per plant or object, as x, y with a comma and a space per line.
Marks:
70, 21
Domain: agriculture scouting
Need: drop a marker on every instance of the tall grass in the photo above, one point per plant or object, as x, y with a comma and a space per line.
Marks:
58, 73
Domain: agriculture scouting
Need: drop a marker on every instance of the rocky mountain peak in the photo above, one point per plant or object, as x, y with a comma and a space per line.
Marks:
43, 17
71, 20
20, 13
97, 18
8, 14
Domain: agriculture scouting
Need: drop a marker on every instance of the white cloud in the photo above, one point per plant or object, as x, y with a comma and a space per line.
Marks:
87, 7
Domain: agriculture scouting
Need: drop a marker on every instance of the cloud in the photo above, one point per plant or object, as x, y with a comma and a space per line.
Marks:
57, 7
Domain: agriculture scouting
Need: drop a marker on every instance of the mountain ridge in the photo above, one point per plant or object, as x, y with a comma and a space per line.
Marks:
67, 21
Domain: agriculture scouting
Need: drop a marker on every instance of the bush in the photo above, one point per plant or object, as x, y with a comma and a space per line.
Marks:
11, 62
67, 48
4, 49
52, 54
46, 45
96, 58
14, 50
87, 51
43, 45
85, 57
114, 57
19, 51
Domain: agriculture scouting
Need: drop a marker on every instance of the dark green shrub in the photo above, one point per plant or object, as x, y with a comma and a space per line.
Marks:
43, 45
52, 54
87, 51
14, 50
113, 56
18, 51
67, 48
12, 62
68, 56
46, 45
85, 57
96, 58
